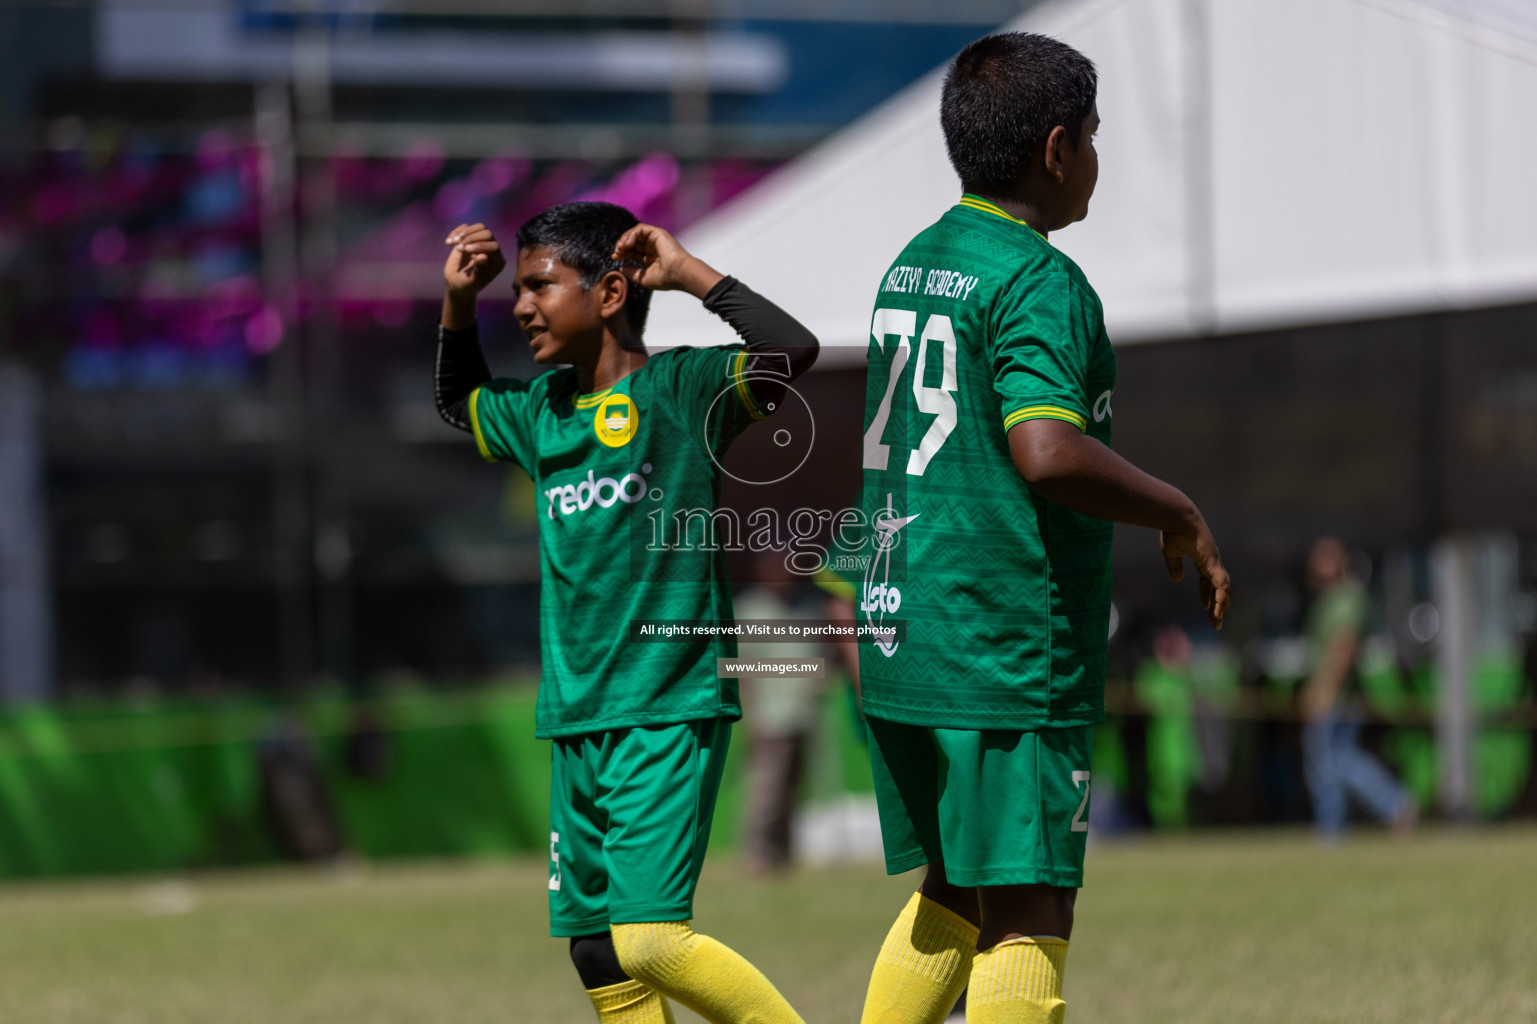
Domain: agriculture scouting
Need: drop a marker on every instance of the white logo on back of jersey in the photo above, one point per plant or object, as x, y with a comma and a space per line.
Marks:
877, 600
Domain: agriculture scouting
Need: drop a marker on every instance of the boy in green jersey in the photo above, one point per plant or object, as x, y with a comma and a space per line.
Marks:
991, 487
618, 442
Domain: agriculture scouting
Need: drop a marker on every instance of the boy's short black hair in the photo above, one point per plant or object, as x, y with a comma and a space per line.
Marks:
582, 236
1003, 95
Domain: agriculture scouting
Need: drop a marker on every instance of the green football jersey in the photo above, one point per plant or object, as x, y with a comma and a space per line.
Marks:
1003, 597
616, 473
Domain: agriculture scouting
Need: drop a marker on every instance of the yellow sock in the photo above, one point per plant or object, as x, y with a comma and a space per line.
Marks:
630, 1002
923, 965
1018, 982
700, 973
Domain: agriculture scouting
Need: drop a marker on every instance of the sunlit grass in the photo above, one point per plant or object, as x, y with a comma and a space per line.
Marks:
1253, 928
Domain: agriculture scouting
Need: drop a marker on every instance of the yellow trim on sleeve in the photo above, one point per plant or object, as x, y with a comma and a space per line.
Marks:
743, 391
1047, 412
480, 441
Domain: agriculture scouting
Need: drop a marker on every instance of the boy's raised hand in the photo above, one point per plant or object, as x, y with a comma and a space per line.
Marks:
474, 261
652, 258
1200, 547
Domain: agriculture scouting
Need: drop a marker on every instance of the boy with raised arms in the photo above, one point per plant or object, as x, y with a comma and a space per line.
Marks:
639, 730
992, 489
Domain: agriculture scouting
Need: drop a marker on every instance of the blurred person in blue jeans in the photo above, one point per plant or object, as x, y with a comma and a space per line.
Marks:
1337, 767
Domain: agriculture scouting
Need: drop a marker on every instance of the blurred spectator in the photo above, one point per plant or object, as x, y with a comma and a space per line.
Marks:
295, 798
780, 712
1173, 753
369, 750
840, 594
1214, 683
1336, 766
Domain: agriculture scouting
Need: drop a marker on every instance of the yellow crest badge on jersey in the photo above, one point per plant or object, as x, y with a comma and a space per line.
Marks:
616, 420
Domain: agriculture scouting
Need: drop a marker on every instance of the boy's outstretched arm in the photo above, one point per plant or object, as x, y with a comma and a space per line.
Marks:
781, 347
1072, 469
461, 367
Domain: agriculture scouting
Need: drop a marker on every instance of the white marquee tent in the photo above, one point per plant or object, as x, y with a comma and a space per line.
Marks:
1264, 163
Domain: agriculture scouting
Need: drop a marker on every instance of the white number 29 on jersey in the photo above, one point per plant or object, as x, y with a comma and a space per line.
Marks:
938, 402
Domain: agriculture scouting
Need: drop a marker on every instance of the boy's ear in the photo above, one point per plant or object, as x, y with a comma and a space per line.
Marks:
1053, 153
613, 291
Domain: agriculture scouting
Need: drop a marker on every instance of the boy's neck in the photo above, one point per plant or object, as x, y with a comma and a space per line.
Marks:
1020, 209
616, 360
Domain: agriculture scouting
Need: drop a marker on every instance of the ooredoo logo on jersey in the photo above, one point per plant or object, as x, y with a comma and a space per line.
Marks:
603, 492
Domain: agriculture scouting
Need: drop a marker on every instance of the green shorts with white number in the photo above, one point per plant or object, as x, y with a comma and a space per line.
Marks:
630, 813
997, 806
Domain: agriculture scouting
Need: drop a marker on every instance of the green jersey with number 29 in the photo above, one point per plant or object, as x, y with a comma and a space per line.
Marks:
1003, 597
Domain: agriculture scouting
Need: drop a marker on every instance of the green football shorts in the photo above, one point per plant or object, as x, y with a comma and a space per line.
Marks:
996, 806
630, 813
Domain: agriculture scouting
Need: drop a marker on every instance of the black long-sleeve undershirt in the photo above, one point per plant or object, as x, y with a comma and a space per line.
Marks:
780, 350
460, 369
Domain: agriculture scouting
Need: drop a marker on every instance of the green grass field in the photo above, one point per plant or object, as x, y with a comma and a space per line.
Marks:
1251, 928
